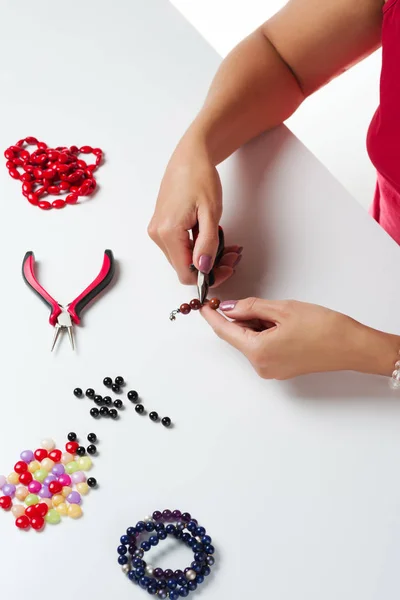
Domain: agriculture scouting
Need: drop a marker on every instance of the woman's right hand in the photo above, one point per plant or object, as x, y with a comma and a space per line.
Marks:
190, 196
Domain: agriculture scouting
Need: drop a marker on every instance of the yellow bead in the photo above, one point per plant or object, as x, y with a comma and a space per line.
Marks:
33, 466
71, 467
47, 501
13, 478
82, 488
66, 458
21, 493
47, 464
18, 511
84, 462
62, 509
57, 499
74, 511
66, 491
40, 475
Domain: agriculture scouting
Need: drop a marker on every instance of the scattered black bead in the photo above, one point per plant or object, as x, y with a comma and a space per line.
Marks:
92, 438
166, 421
153, 415
132, 396
118, 404
71, 436
107, 381
119, 380
107, 400
94, 412
90, 393
81, 451
91, 449
92, 482
104, 411
78, 392
113, 413
98, 400
139, 408
115, 388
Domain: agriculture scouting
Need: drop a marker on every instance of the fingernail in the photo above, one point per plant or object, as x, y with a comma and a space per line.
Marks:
205, 263
228, 305
237, 261
240, 250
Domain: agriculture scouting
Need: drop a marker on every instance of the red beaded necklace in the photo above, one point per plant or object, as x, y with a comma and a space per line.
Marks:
52, 171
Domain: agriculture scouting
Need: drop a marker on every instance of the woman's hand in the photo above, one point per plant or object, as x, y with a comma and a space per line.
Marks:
190, 196
288, 338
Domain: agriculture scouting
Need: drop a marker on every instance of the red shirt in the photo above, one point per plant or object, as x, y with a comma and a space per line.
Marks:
383, 140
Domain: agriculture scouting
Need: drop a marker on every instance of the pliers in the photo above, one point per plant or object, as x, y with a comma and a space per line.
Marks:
204, 280
63, 317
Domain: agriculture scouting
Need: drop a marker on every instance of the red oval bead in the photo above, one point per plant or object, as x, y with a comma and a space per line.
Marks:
26, 188
55, 487
42, 191
74, 189
26, 177
38, 173
32, 511
74, 149
49, 173
29, 168
20, 467
18, 162
86, 149
53, 155
71, 199
9, 154
33, 198
14, 173
10, 164
185, 309
31, 140
75, 176
40, 454
41, 159
42, 509
22, 522
63, 158
53, 189
20, 143
81, 164
64, 186
58, 203
85, 189
98, 160
91, 168
16, 149
5, 502
42, 146
71, 447
44, 205
61, 168
24, 154
37, 523
55, 455
25, 478
97, 151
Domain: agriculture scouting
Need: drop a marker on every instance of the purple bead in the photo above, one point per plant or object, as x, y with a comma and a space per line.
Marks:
158, 573
78, 477
167, 514
186, 517
177, 514
74, 498
34, 487
45, 492
27, 456
3, 481
58, 470
168, 573
157, 515
9, 489
178, 574
49, 479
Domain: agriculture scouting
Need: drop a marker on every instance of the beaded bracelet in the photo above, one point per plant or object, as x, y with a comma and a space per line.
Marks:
194, 304
394, 381
166, 583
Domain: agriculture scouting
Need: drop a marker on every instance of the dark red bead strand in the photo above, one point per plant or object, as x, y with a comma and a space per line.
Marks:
194, 304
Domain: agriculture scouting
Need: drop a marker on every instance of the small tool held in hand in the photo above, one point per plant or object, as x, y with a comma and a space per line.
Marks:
204, 280
63, 317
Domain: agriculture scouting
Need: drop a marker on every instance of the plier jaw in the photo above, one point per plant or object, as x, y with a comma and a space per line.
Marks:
64, 322
202, 286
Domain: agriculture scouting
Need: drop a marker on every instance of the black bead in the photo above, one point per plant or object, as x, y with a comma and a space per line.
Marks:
71, 436
132, 396
107, 381
78, 392
98, 400
90, 393
94, 412
91, 449
139, 408
153, 416
119, 380
104, 411
107, 400
166, 421
118, 404
115, 388
92, 482
113, 413
81, 451
92, 438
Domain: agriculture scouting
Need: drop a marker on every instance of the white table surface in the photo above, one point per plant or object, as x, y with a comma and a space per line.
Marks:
297, 482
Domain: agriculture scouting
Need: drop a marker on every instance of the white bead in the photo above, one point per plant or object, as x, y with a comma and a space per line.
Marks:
48, 444
397, 365
149, 571
126, 569
190, 575
394, 384
148, 519
396, 375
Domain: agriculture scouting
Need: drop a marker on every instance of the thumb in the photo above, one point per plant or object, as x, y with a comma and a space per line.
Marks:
252, 308
206, 244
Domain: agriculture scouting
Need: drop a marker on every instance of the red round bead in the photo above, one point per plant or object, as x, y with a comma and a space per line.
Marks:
5, 502
25, 478
86, 149
22, 522
214, 303
71, 199
185, 309
31, 140
58, 203
195, 304
42, 509
14, 173
33, 198
44, 205
55, 455
37, 523
40, 454
71, 447
32, 511
55, 487
20, 467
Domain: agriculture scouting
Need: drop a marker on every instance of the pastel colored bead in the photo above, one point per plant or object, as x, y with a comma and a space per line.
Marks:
84, 463
66, 458
66, 491
45, 492
34, 487
62, 509
20, 467
31, 500
58, 470
48, 444
47, 464
65, 479
48, 502
74, 511
18, 510
58, 499
49, 479
13, 478
74, 498
33, 466
72, 467
40, 475
27, 456
3, 481
9, 489
21, 493
82, 488
53, 517
78, 477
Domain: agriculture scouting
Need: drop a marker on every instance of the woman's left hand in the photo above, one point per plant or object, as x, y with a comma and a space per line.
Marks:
283, 339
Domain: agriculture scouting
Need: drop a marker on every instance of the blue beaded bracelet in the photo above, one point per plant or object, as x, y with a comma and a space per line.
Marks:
166, 583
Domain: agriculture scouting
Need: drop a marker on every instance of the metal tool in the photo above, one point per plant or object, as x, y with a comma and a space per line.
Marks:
204, 280
64, 317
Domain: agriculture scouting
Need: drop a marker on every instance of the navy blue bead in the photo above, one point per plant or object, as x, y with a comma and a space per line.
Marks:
198, 547
209, 549
182, 581
162, 584
162, 535
132, 549
170, 528
171, 583
173, 595
122, 559
137, 562
183, 591
149, 526
140, 526
145, 546
153, 540
185, 537
192, 586
196, 567
122, 549
131, 531
124, 539
178, 535
200, 557
200, 531
160, 527
139, 572
191, 526
152, 589
206, 539
192, 542
206, 571
131, 575
144, 582
199, 579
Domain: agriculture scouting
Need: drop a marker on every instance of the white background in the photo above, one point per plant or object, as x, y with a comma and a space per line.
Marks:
334, 122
